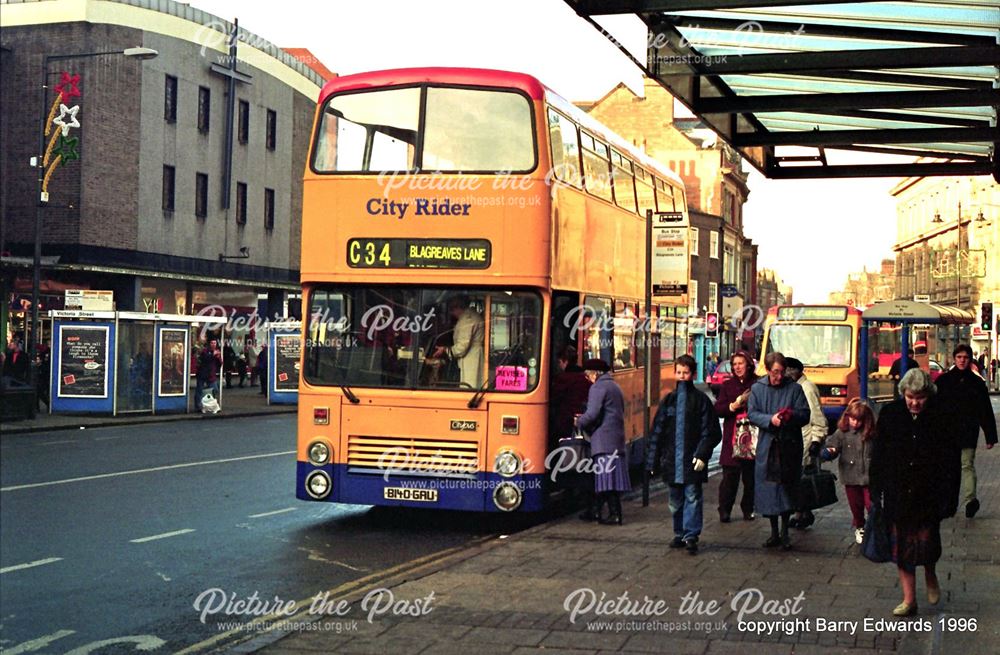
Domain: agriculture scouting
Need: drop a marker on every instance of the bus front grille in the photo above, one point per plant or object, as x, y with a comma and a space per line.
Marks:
412, 456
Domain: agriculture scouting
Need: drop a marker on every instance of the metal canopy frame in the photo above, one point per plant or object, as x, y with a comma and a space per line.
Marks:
912, 79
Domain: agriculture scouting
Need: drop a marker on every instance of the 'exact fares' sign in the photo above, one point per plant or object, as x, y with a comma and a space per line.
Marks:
419, 253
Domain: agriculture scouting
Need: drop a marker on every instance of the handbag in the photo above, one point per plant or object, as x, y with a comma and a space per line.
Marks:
745, 438
817, 488
580, 474
876, 545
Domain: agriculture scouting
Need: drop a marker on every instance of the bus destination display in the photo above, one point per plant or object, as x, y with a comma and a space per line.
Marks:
806, 313
419, 253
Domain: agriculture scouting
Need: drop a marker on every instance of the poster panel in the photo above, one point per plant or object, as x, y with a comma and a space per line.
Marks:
83, 361
173, 362
286, 362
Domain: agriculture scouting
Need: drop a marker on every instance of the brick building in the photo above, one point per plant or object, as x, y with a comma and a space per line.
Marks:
143, 210
723, 261
865, 288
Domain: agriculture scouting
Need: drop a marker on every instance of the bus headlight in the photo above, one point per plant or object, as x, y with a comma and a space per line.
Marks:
318, 484
507, 463
319, 453
507, 496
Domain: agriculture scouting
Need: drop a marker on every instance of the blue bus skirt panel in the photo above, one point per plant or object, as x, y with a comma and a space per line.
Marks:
467, 494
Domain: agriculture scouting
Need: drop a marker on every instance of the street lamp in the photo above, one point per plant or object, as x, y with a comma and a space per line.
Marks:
137, 53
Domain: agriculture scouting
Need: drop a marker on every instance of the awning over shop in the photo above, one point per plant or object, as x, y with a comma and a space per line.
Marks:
784, 82
907, 311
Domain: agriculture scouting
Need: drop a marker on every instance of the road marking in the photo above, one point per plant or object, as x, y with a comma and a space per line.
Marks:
38, 644
41, 562
55, 443
142, 642
277, 511
165, 535
303, 607
149, 470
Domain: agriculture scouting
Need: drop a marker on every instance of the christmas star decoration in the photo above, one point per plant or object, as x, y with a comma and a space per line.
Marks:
60, 120
67, 87
67, 148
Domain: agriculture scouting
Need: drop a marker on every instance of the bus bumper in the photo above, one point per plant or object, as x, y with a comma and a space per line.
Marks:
473, 494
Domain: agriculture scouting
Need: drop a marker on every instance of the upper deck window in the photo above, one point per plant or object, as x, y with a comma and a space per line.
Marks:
432, 129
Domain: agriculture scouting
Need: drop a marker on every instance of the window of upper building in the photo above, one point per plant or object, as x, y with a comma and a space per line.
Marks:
204, 108
243, 124
695, 245
693, 297
201, 195
241, 203
268, 209
170, 99
271, 138
168, 188
713, 244
713, 297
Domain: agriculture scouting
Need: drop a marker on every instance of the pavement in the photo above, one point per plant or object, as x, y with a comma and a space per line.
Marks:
236, 402
570, 587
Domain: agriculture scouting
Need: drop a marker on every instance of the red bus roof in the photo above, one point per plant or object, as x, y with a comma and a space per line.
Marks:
463, 76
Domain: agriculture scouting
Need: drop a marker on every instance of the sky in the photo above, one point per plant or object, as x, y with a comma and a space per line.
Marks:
813, 233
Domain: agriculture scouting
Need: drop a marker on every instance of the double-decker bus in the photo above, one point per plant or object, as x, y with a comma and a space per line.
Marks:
462, 227
825, 339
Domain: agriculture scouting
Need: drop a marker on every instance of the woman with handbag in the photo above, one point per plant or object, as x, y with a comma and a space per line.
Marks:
779, 409
605, 421
732, 404
915, 473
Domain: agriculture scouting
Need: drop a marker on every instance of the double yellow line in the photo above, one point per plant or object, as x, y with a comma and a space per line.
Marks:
359, 587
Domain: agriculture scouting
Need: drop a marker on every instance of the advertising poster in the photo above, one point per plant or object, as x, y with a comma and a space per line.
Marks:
83, 362
286, 358
173, 362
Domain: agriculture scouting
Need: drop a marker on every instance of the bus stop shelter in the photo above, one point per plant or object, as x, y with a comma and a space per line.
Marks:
905, 313
111, 362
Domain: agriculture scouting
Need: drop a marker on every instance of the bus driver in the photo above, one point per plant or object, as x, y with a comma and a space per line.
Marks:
467, 345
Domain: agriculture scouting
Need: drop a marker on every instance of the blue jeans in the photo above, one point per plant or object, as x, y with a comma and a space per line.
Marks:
685, 505
199, 390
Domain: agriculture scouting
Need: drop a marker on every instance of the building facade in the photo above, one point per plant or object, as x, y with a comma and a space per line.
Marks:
154, 201
722, 259
947, 240
865, 288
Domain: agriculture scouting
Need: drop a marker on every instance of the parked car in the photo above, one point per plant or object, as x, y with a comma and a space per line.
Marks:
722, 373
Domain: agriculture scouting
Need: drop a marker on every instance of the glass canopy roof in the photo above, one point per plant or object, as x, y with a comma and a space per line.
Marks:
918, 79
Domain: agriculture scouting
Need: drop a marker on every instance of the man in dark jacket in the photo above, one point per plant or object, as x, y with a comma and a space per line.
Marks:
965, 397
684, 434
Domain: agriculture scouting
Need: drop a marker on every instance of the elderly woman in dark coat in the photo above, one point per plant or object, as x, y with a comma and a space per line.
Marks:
605, 421
778, 407
733, 398
916, 472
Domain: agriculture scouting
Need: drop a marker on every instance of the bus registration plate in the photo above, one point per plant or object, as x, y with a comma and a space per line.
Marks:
405, 493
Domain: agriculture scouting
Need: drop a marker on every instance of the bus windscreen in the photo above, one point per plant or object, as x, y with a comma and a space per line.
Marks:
819, 346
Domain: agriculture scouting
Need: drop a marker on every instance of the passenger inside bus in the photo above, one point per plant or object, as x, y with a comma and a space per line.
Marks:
467, 346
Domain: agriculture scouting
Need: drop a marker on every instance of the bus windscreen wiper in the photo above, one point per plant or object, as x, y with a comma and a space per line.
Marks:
481, 392
350, 394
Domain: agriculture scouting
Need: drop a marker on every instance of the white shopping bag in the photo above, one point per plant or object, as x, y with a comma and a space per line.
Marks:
209, 405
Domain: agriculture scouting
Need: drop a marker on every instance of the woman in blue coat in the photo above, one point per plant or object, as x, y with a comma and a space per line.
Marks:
778, 407
605, 421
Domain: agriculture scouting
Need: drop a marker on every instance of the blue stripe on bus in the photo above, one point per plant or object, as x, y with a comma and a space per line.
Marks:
473, 495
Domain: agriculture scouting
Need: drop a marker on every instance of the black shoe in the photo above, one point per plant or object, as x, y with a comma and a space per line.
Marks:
748, 516
677, 543
786, 543
613, 519
971, 508
773, 542
724, 517
805, 521
692, 546
793, 523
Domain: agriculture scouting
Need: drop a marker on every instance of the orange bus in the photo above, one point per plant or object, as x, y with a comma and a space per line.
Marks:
460, 228
825, 338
